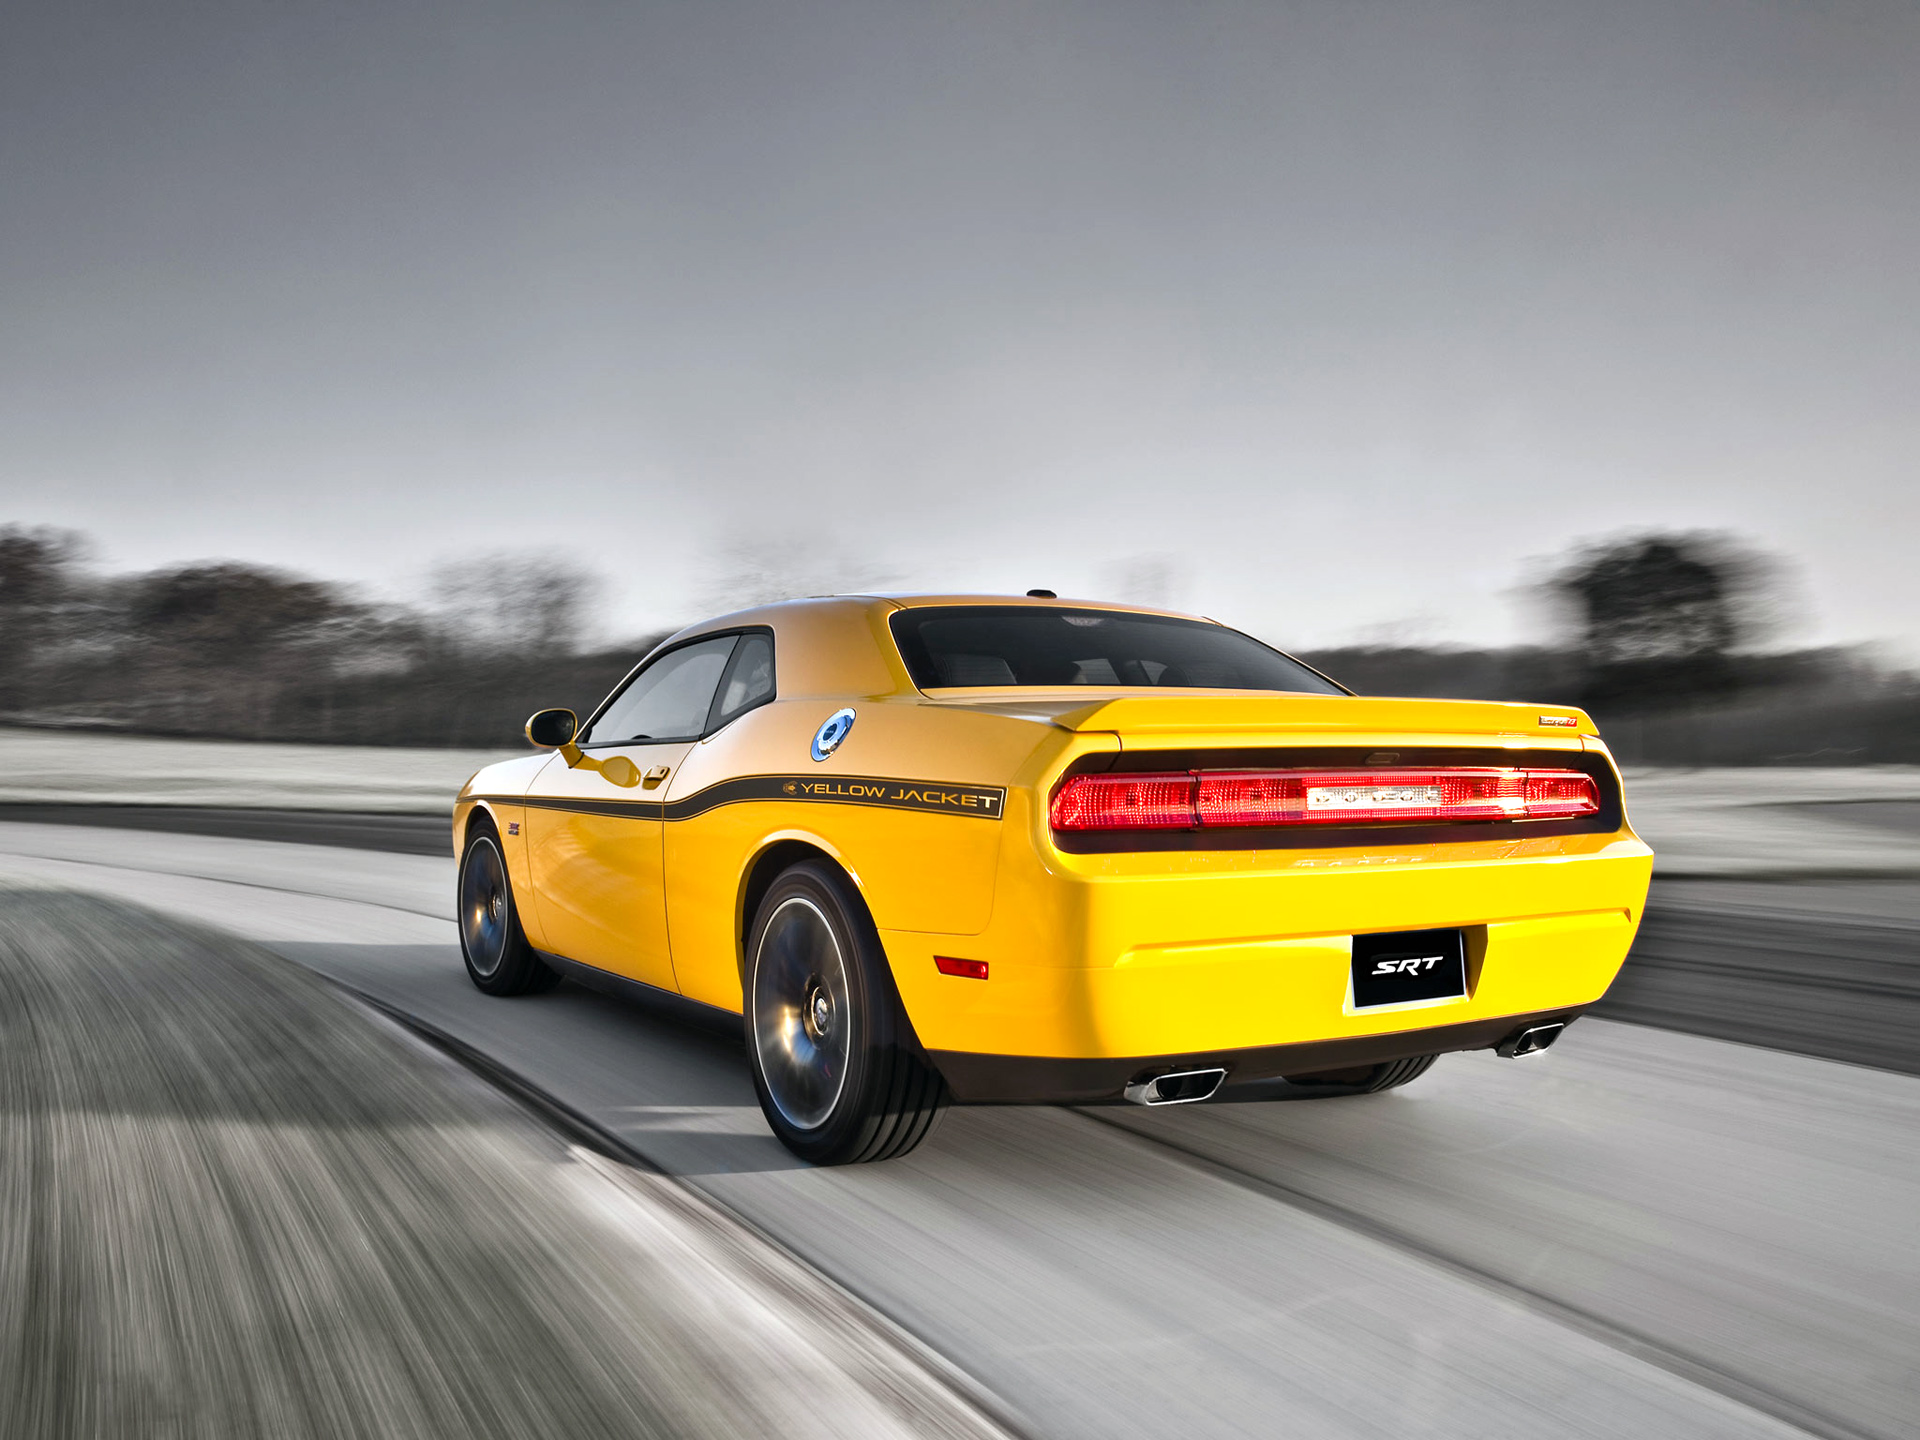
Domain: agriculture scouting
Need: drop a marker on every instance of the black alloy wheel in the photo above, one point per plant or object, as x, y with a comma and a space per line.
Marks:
839, 1074
499, 959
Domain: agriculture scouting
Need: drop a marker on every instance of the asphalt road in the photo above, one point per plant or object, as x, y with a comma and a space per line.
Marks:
1829, 968
1641, 1233
363, 830
236, 1203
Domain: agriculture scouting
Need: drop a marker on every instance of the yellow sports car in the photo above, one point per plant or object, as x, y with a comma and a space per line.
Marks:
1028, 850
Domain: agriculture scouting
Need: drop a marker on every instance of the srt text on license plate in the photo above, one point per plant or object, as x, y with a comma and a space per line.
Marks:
1408, 967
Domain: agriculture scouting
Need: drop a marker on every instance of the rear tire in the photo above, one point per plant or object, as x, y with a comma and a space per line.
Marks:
499, 959
1361, 1080
839, 1074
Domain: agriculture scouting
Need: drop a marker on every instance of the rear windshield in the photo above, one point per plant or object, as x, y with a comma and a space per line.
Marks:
976, 645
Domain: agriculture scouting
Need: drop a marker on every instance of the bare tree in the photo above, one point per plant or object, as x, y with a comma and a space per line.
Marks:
219, 644
749, 574
1659, 615
519, 603
38, 582
220, 615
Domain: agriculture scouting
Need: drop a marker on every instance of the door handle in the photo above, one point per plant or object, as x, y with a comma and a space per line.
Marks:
654, 776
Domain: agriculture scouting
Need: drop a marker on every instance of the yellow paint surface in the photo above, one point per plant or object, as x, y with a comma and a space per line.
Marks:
1133, 953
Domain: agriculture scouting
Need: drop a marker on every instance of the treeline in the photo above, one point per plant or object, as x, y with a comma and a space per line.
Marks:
1663, 641
1666, 646
1806, 707
240, 652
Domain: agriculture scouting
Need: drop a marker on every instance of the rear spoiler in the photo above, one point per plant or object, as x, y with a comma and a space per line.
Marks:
1325, 716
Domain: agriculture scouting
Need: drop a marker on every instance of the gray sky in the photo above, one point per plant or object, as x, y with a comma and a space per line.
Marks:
1325, 319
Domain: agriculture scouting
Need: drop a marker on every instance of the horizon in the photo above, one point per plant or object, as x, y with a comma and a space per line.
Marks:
1772, 634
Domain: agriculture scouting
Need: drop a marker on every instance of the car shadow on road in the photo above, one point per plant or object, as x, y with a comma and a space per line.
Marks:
665, 1077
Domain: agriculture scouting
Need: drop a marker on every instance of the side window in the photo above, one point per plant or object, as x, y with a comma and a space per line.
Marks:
748, 681
669, 699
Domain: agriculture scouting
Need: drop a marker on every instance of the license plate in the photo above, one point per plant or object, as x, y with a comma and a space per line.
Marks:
1408, 968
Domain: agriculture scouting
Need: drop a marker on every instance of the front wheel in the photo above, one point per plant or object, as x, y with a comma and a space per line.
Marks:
499, 959
839, 1076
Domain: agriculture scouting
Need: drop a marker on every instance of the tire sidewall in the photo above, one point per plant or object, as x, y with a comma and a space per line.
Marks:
870, 1000
505, 978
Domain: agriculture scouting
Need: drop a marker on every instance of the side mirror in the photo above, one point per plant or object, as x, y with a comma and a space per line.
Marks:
551, 729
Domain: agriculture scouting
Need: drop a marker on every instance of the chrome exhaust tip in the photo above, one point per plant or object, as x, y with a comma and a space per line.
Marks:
1177, 1087
1530, 1041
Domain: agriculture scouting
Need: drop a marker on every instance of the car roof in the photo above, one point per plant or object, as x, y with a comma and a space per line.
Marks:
840, 645
775, 611
909, 600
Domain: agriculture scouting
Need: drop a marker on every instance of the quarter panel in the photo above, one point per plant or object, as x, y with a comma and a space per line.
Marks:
929, 870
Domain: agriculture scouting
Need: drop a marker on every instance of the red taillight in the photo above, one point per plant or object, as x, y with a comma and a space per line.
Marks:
1561, 793
1219, 798
965, 969
1125, 802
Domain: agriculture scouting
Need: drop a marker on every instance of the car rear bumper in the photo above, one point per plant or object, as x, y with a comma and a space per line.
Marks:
977, 1079
1130, 969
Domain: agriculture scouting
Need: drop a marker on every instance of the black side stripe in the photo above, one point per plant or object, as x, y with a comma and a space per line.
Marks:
982, 802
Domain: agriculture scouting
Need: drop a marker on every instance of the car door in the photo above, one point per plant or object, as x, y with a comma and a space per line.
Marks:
595, 841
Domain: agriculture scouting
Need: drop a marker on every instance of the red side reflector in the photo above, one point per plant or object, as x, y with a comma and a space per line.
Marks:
965, 969
1210, 798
